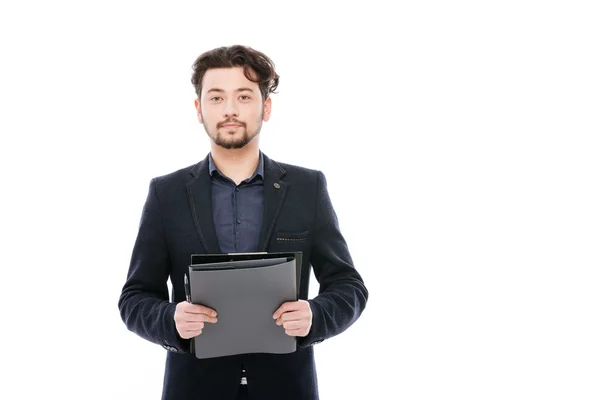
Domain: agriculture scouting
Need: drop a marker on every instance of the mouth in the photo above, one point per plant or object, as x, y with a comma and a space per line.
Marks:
230, 126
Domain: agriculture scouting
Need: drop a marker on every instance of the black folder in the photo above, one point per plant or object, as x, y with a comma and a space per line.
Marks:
245, 289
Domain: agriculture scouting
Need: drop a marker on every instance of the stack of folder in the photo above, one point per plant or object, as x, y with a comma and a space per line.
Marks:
245, 289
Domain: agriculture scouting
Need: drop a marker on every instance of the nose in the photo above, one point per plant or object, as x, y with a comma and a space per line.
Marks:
230, 109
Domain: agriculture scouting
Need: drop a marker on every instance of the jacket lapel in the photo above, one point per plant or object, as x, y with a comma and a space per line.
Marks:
200, 197
274, 194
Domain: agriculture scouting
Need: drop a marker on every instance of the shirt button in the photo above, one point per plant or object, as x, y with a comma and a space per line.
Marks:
238, 221
237, 189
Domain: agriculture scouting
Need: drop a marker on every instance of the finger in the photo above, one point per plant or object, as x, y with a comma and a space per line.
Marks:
293, 316
295, 332
190, 334
291, 325
199, 309
284, 318
193, 333
285, 307
194, 325
200, 318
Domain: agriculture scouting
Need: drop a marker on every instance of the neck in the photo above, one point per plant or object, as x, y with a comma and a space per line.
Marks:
236, 164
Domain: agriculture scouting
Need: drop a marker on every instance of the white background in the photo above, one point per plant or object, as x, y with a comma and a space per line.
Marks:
459, 139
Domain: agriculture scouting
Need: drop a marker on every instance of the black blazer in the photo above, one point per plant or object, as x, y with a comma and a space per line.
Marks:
177, 222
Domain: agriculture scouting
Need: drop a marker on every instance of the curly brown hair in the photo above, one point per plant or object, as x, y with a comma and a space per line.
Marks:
257, 67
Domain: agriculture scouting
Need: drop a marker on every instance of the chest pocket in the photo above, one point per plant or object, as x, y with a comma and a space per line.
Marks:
292, 237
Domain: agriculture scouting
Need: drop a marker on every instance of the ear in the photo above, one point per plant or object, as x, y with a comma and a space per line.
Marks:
267, 109
198, 110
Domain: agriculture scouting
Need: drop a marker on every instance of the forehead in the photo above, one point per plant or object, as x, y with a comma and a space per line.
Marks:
228, 79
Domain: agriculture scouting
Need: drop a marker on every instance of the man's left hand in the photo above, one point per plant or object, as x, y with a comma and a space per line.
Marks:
295, 316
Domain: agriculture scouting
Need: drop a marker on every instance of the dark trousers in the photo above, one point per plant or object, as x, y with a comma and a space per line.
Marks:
243, 393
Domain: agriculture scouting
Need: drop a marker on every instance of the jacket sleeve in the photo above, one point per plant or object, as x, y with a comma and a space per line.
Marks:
342, 293
144, 302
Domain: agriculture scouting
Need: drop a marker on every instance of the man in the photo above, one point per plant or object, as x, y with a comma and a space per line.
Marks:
238, 200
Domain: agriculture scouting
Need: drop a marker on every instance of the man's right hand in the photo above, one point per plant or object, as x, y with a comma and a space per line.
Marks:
190, 318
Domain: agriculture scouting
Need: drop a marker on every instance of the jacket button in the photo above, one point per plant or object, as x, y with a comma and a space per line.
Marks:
276, 185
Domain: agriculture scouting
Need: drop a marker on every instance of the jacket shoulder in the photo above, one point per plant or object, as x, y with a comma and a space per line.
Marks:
170, 181
182, 173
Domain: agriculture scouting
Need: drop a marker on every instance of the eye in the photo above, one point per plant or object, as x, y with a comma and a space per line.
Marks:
245, 97
216, 98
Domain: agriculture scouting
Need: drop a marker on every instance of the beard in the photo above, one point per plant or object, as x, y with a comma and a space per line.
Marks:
230, 139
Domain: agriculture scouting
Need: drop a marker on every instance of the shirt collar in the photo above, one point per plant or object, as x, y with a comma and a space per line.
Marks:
260, 168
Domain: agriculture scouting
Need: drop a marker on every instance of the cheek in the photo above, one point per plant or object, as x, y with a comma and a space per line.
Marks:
207, 116
258, 115
250, 116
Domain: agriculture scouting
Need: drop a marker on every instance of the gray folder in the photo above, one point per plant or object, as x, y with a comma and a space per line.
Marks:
245, 290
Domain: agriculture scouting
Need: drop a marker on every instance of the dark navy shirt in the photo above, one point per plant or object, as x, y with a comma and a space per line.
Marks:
237, 209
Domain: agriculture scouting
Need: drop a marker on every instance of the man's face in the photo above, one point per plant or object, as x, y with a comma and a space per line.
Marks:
231, 107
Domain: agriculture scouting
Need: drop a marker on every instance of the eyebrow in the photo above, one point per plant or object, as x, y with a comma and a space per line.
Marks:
243, 89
